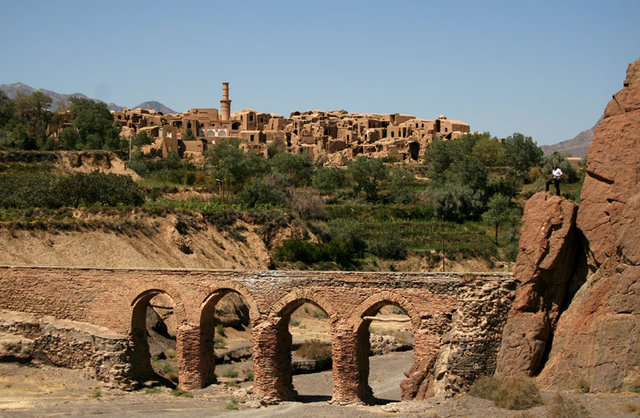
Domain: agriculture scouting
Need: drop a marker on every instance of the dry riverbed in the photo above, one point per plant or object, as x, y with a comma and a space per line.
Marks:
27, 390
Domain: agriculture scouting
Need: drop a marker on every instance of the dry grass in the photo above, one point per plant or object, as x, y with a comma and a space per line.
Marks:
566, 408
315, 349
515, 393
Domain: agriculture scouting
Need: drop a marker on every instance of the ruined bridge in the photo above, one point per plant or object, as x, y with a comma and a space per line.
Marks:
456, 320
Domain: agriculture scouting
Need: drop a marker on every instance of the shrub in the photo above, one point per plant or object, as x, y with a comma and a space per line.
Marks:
515, 393
315, 349
260, 193
220, 330
485, 387
328, 179
307, 204
397, 310
153, 390
456, 202
567, 408
389, 247
320, 314
180, 392
297, 167
583, 386
218, 342
51, 191
294, 322
230, 373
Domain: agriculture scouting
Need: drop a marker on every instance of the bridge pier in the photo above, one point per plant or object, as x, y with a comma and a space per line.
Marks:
190, 370
348, 385
270, 377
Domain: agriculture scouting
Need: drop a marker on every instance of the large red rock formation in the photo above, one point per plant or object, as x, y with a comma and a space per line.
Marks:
597, 336
544, 269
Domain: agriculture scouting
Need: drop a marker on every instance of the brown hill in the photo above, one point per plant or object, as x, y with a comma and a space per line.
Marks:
576, 146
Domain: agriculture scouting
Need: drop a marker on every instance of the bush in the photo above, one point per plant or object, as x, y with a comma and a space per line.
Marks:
315, 349
295, 250
328, 179
456, 202
307, 204
485, 387
230, 373
51, 191
258, 193
567, 408
389, 247
320, 314
297, 167
515, 393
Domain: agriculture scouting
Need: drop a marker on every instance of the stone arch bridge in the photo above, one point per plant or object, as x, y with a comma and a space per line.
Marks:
456, 320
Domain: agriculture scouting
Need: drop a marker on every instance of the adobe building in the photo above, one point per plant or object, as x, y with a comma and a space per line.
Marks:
336, 136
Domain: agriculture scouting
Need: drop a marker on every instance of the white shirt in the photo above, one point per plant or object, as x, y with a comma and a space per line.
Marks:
557, 173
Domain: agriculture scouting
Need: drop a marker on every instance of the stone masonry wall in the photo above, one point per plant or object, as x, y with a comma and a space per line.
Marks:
116, 299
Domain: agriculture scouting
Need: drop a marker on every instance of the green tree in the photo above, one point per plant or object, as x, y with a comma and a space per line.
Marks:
30, 118
141, 139
329, 179
188, 135
366, 175
489, 151
521, 153
401, 180
455, 202
232, 166
259, 193
6, 109
95, 126
498, 212
297, 166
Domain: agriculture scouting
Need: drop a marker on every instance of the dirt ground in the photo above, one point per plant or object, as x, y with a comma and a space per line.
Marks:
27, 390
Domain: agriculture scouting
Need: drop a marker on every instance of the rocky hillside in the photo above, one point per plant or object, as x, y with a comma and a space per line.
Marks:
576, 315
142, 239
576, 146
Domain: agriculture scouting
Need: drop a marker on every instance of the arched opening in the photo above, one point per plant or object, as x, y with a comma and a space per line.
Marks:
153, 331
304, 347
225, 339
384, 351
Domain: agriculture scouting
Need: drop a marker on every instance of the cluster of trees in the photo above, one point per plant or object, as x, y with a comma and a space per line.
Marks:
54, 191
27, 123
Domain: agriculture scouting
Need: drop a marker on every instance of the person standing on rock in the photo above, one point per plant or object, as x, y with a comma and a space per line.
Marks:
556, 173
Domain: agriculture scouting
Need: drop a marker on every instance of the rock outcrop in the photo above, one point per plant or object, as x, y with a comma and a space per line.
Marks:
102, 353
597, 336
544, 268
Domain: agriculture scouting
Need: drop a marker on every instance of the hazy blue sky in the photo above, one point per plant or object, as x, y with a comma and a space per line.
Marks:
543, 68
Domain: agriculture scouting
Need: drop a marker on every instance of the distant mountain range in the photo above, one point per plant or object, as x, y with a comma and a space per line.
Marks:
576, 146
60, 99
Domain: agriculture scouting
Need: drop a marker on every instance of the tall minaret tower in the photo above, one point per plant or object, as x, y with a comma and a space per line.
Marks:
225, 103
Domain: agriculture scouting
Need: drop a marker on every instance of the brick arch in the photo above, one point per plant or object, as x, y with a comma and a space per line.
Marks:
140, 358
378, 300
214, 293
148, 292
301, 296
361, 327
206, 322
